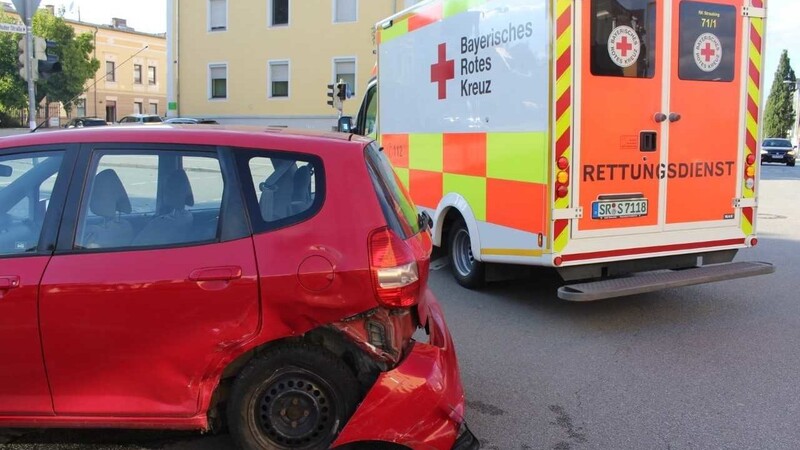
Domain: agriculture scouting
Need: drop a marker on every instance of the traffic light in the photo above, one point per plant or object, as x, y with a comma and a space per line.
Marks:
49, 62
24, 60
330, 95
341, 90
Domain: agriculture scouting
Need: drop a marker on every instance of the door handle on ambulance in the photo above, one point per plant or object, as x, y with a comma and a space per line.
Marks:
674, 117
660, 117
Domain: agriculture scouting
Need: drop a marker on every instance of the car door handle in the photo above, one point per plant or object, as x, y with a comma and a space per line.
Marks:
10, 282
225, 273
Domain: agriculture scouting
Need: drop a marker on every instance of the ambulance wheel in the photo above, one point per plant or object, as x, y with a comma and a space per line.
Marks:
468, 271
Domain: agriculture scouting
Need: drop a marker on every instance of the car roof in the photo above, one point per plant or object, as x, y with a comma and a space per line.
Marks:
219, 135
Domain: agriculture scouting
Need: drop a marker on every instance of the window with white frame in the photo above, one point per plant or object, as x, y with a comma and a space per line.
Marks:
279, 79
279, 12
345, 70
137, 107
80, 107
218, 81
345, 10
217, 15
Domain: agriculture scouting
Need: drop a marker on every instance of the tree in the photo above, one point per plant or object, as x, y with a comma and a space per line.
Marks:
73, 51
779, 116
13, 90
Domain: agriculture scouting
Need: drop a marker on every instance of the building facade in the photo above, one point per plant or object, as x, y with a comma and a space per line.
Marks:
268, 62
132, 77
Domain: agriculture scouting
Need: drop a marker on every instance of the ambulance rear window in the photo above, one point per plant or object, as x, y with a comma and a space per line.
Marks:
623, 38
707, 41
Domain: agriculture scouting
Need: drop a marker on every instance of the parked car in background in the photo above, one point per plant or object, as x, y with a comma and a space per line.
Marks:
191, 121
80, 122
779, 150
160, 277
141, 118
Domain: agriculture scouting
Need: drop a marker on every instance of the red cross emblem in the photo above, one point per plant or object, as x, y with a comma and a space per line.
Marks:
708, 52
624, 46
442, 71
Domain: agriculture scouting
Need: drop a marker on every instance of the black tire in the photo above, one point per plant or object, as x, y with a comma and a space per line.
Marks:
790, 163
469, 272
292, 397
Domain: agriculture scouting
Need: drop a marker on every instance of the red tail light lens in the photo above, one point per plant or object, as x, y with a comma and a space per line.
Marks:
395, 274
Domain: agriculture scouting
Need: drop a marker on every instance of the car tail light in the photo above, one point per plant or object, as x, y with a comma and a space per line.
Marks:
395, 273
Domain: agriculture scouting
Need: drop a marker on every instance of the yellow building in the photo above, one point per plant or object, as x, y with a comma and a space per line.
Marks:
135, 63
269, 62
132, 78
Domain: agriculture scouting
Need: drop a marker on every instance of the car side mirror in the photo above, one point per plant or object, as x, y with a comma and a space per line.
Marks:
6, 171
345, 124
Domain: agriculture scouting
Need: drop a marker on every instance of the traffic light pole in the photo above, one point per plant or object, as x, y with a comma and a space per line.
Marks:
29, 67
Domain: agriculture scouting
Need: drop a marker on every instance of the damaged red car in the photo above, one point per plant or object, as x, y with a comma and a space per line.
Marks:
264, 280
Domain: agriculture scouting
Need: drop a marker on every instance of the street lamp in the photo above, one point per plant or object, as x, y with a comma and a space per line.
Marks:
796, 100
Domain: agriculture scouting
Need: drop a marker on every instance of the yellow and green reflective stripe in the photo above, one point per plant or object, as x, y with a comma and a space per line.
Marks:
517, 157
473, 189
426, 152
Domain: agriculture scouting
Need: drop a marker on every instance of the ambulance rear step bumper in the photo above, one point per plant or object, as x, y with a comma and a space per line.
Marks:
656, 281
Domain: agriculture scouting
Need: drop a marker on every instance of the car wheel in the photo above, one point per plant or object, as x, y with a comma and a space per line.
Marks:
790, 163
468, 271
292, 397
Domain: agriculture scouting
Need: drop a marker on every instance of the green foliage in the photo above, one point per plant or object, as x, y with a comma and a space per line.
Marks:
75, 55
779, 116
13, 90
76, 61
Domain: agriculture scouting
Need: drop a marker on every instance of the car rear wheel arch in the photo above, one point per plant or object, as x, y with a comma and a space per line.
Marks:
362, 366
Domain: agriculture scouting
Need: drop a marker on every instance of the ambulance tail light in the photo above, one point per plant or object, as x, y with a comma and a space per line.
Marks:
562, 177
395, 273
750, 172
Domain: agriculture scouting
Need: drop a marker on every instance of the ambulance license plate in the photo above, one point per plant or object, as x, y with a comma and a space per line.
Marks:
618, 209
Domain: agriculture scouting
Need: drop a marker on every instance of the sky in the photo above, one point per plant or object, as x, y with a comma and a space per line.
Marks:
783, 23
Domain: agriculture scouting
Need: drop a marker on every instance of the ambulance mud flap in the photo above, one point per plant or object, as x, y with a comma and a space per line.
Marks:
656, 281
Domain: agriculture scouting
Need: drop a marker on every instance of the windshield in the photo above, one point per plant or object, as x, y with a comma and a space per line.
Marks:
777, 143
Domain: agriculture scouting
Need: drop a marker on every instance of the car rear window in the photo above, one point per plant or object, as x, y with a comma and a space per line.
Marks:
399, 210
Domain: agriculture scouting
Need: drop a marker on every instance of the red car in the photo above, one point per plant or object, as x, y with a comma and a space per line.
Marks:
175, 278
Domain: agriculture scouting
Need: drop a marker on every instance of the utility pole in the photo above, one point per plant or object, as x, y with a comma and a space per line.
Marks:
26, 9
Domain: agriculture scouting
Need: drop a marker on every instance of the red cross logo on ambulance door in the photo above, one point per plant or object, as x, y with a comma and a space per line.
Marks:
442, 71
624, 46
708, 52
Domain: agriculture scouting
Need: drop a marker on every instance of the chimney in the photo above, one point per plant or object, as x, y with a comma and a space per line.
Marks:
50, 9
119, 23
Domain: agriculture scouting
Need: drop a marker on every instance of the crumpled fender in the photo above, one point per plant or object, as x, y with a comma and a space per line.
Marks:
420, 403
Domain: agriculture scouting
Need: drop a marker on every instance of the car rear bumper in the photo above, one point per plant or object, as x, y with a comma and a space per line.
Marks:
785, 158
419, 404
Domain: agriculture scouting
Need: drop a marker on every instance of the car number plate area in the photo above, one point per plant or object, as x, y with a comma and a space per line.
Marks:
619, 209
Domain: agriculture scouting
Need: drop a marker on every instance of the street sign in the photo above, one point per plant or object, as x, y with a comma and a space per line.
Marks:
26, 8
13, 28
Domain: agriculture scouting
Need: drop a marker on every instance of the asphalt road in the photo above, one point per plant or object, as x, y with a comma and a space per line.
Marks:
714, 366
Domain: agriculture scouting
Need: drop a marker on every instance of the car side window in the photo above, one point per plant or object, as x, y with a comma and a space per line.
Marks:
282, 189
26, 184
150, 199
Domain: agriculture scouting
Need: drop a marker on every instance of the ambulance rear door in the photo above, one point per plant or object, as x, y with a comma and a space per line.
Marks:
659, 121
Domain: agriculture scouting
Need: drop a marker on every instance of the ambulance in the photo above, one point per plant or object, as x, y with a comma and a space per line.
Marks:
613, 140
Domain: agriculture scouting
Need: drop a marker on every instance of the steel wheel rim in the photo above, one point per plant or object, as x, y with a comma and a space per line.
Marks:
296, 410
462, 253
